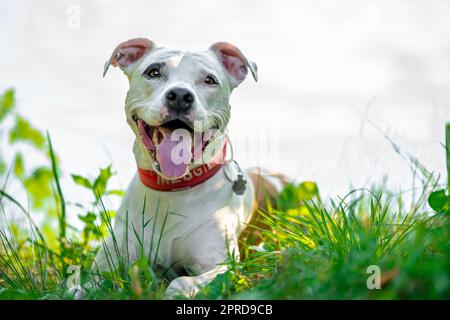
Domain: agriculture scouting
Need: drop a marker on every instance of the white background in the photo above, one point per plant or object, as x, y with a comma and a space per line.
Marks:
320, 64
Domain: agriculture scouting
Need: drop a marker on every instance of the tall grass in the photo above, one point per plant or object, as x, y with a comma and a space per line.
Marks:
320, 251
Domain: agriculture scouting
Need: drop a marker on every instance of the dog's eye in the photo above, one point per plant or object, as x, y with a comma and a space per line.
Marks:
210, 80
152, 73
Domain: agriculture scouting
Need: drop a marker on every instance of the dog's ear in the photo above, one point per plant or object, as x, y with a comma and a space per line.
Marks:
234, 62
126, 54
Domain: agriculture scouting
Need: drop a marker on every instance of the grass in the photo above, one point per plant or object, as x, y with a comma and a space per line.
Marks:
368, 244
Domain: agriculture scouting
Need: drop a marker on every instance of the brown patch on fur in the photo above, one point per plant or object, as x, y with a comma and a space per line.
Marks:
265, 194
388, 276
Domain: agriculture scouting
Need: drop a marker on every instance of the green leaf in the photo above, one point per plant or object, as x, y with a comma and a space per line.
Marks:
439, 201
89, 218
25, 132
101, 181
287, 198
116, 192
7, 103
307, 190
2, 167
38, 186
81, 181
19, 168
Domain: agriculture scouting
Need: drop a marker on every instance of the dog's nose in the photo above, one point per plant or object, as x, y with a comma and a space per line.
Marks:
179, 99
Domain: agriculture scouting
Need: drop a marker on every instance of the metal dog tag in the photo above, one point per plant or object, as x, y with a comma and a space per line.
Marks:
156, 165
239, 184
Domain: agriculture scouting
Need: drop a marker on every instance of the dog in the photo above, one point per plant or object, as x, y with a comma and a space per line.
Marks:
187, 205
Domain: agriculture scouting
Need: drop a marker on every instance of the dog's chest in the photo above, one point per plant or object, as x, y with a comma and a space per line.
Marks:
167, 221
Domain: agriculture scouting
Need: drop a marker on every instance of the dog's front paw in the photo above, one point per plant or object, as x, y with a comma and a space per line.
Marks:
182, 286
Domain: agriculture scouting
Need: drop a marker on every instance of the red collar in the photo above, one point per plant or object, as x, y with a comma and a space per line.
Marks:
195, 176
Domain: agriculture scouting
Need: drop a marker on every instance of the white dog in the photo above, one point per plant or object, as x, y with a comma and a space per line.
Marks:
178, 107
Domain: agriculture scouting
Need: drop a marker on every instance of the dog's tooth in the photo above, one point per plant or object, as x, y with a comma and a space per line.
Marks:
164, 131
155, 136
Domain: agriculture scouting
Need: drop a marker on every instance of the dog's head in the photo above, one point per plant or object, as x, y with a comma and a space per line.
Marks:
178, 102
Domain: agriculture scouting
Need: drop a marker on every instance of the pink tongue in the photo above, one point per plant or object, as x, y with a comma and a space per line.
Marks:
176, 167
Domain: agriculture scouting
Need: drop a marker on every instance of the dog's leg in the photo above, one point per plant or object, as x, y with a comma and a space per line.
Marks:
189, 286
207, 251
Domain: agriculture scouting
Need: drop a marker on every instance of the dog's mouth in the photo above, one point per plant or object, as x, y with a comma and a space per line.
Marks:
174, 145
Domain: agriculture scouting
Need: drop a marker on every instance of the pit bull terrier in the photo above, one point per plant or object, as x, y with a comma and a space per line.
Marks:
187, 205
